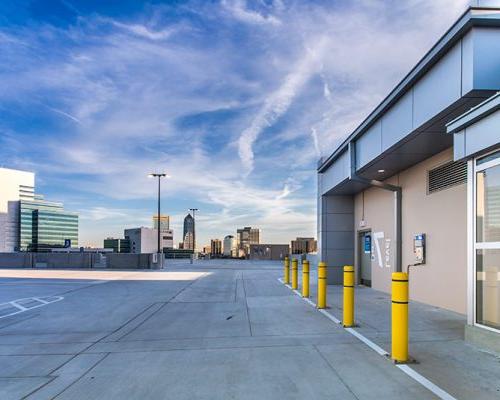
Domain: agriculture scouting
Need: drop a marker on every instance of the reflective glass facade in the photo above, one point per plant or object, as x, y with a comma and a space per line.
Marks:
44, 225
487, 245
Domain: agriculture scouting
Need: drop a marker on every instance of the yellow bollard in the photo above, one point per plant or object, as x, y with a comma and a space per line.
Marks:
305, 278
286, 278
322, 274
295, 274
348, 312
399, 317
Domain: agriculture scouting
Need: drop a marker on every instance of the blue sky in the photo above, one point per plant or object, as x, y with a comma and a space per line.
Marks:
235, 99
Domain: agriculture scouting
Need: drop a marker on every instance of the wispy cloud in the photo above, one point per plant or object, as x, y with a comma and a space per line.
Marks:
278, 102
239, 10
65, 114
145, 32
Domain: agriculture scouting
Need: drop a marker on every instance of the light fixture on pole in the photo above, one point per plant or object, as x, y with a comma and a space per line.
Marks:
159, 176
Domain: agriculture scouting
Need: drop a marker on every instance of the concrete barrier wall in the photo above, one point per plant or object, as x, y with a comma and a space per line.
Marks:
134, 261
48, 260
16, 260
64, 260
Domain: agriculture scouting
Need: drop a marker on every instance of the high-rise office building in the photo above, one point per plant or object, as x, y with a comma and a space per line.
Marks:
229, 247
27, 221
164, 222
215, 247
304, 245
245, 237
15, 186
188, 232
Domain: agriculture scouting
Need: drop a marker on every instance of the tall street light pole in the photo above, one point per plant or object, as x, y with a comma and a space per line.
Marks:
159, 176
193, 210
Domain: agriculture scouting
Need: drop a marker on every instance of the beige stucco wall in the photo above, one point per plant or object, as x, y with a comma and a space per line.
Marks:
442, 216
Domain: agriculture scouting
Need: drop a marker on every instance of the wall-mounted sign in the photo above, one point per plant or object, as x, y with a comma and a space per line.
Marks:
387, 259
383, 260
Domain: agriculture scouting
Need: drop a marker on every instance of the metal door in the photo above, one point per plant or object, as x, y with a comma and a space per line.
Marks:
365, 258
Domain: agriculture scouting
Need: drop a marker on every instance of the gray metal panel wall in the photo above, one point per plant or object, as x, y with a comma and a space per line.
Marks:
369, 145
336, 234
338, 172
439, 88
398, 121
486, 64
477, 137
472, 64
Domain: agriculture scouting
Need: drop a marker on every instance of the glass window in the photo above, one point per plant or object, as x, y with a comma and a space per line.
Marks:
489, 157
488, 287
488, 205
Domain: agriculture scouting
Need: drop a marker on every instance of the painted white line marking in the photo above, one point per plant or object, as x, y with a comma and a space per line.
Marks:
425, 382
40, 300
309, 301
329, 316
21, 309
403, 367
18, 306
368, 342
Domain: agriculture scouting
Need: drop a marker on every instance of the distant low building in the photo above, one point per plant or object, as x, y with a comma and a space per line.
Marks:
207, 249
178, 253
215, 248
117, 245
268, 251
229, 246
246, 237
304, 245
145, 240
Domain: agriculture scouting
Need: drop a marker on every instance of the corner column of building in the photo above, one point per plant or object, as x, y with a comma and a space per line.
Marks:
336, 234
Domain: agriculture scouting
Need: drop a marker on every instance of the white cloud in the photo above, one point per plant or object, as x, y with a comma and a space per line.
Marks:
238, 9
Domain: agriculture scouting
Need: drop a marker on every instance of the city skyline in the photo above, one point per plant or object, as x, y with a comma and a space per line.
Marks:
240, 152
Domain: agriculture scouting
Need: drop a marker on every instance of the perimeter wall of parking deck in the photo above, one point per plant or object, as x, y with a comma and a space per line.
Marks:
81, 260
48, 260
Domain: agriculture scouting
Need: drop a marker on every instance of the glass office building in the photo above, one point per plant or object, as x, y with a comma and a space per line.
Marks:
44, 225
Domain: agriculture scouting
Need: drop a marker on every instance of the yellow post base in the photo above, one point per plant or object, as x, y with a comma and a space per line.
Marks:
399, 313
322, 276
305, 278
348, 309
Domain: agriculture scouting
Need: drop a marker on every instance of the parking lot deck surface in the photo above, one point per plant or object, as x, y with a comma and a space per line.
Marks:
216, 330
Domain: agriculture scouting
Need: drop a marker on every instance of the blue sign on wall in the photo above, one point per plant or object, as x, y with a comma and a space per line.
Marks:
67, 243
368, 244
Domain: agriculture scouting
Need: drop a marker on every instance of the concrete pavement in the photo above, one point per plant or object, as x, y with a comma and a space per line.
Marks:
212, 330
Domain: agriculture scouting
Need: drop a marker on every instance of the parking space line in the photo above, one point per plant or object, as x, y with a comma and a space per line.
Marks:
403, 367
15, 304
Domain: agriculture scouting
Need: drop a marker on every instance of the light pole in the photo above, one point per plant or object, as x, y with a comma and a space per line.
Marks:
159, 176
193, 210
